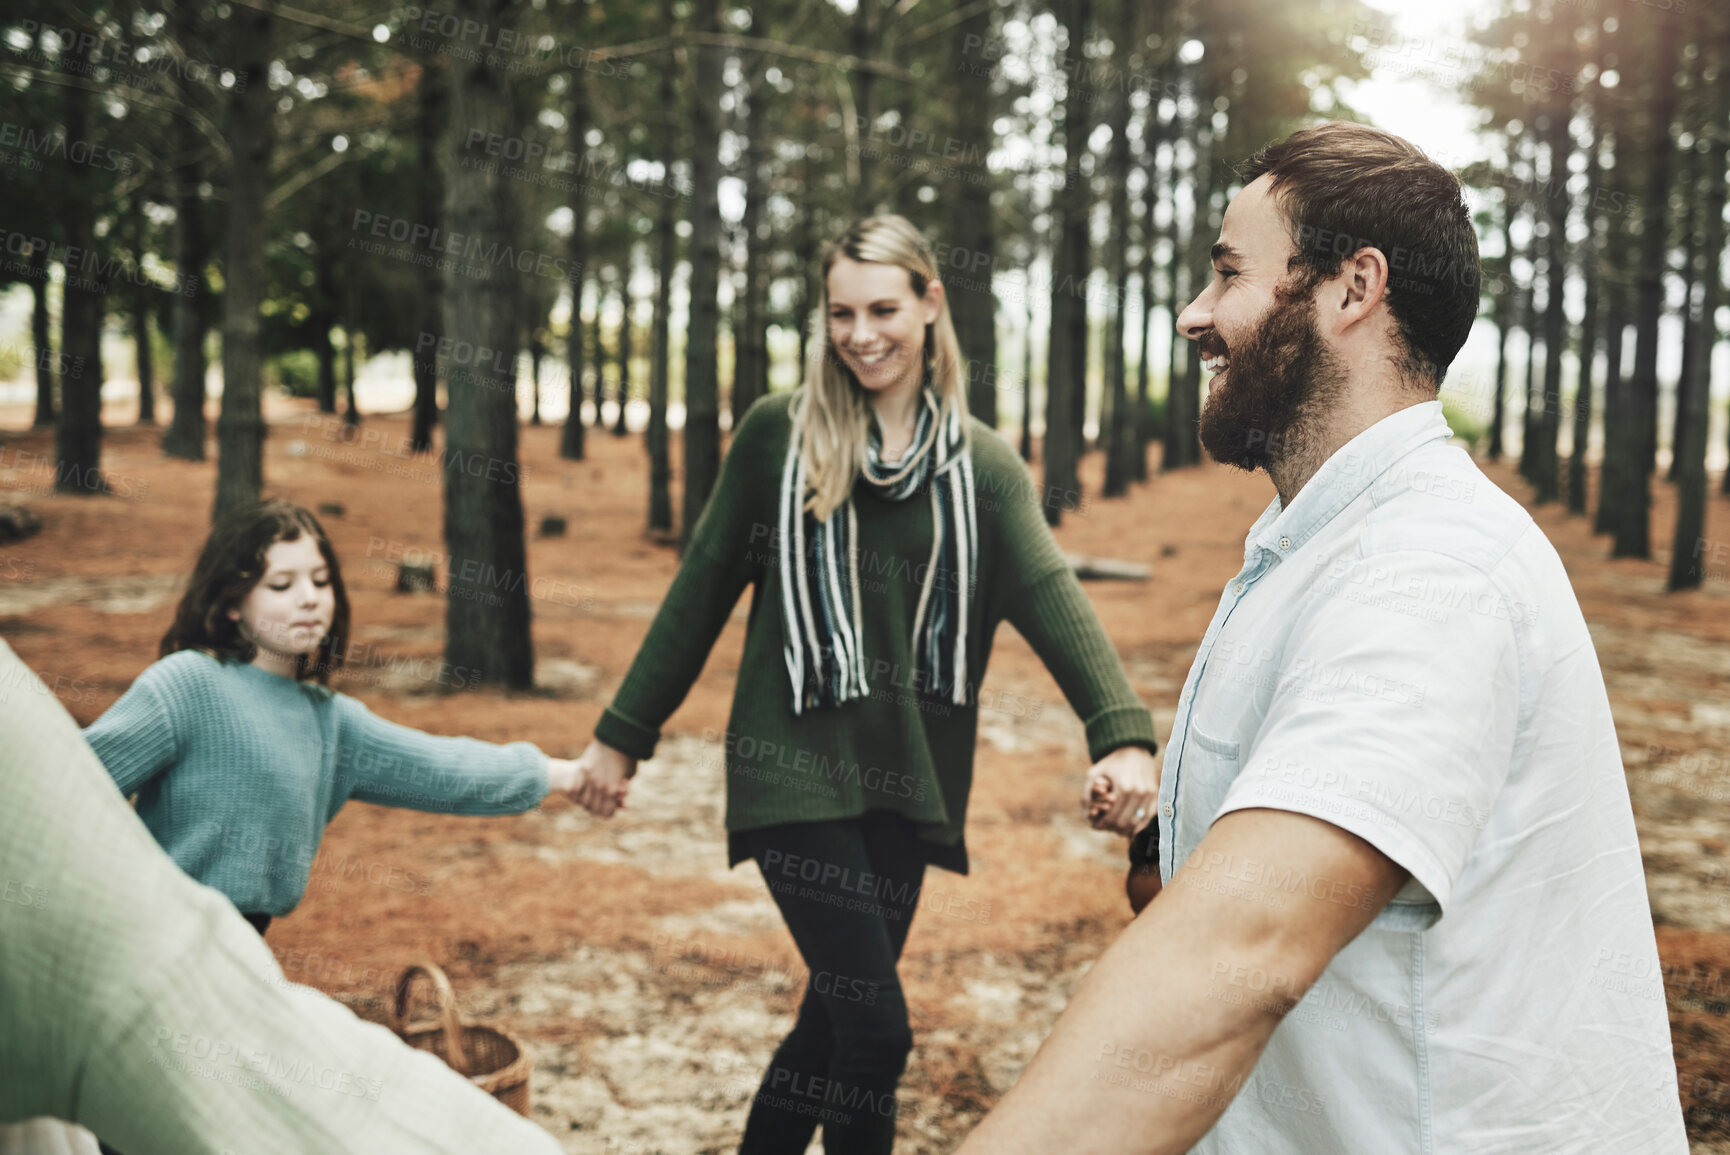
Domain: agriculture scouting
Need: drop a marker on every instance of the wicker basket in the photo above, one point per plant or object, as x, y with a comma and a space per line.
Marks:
492, 1060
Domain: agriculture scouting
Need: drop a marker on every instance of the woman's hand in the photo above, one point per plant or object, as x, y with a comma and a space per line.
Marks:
605, 775
1122, 790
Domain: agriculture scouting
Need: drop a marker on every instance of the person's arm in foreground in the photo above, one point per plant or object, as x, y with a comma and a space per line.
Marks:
1147, 1056
141, 1005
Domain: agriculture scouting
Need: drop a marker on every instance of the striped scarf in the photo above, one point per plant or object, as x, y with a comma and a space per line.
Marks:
819, 564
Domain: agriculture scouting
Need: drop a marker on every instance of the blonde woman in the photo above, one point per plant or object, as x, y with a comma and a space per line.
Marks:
884, 534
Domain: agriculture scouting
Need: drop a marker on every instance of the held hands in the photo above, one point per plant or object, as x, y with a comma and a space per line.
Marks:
1122, 791
602, 779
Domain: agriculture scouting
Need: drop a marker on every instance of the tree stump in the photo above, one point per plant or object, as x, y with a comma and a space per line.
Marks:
415, 577
18, 522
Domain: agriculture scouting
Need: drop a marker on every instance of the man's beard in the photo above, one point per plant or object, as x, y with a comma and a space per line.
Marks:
1278, 383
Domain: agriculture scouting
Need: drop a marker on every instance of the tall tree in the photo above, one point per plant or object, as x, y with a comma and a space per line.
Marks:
41, 335
627, 354
660, 346
250, 133
1633, 512
1117, 423
184, 437
1507, 292
1559, 145
571, 445
1157, 176
1066, 362
487, 608
702, 437
1690, 200
972, 304
1686, 561
1590, 260
432, 110
143, 307
78, 432
751, 343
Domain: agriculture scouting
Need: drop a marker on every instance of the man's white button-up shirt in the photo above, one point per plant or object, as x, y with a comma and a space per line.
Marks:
1402, 655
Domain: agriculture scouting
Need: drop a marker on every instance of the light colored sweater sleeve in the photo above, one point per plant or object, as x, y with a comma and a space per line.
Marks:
395, 765
134, 738
139, 1003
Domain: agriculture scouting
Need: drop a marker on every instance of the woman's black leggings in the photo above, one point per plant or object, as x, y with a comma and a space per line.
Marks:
847, 889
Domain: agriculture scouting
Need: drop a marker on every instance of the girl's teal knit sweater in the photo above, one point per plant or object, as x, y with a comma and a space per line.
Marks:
238, 770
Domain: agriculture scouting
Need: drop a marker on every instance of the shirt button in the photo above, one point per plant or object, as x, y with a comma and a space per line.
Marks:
1166, 810
1237, 588
1285, 543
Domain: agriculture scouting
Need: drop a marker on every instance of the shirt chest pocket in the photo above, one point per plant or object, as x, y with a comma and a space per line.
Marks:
1209, 766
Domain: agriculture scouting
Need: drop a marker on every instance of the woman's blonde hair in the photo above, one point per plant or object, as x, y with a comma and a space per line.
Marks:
834, 419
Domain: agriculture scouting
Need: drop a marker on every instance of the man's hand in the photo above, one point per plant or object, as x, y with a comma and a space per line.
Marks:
1122, 790
606, 775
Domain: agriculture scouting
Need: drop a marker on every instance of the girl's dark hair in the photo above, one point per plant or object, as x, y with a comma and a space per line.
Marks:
230, 565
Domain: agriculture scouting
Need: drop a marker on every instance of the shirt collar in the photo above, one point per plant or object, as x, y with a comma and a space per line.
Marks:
1347, 473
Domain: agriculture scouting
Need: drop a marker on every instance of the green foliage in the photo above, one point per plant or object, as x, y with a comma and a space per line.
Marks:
1474, 431
1153, 416
295, 372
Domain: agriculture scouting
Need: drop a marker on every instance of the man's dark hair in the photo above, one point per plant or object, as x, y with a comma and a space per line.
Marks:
1345, 186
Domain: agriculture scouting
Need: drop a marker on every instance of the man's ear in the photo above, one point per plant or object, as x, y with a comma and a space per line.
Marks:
1366, 279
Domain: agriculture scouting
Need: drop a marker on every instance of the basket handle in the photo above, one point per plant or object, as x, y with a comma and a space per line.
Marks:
447, 1005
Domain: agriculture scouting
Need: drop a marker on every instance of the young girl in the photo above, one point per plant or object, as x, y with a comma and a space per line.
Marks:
884, 535
239, 751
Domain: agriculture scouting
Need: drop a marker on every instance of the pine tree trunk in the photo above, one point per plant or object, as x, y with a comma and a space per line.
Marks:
751, 362
432, 110
487, 605
1689, 180
972, 304
666, 256
600, 345
41, 336
1183, 399
626, 352
78, 432
184, 437
862, 37
1066, 359
1590, 259
1152, 136
249, 129
1689, 544
571, 446
1117, 422
143, 301
702, 435
1633, 522
1503, 314
1026, 446
1560, 146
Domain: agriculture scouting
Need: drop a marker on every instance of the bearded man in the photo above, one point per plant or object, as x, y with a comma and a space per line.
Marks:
1403, 907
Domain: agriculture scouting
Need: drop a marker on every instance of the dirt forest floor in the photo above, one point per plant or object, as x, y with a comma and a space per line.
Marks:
649, 981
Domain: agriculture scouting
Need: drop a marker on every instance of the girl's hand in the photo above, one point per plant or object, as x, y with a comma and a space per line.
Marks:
606, 775
1122, 790
564, 776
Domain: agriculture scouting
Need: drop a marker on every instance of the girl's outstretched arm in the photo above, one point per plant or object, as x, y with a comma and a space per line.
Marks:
134, 738
395, 765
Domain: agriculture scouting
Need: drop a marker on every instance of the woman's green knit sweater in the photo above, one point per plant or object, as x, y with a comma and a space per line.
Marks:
897, 748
